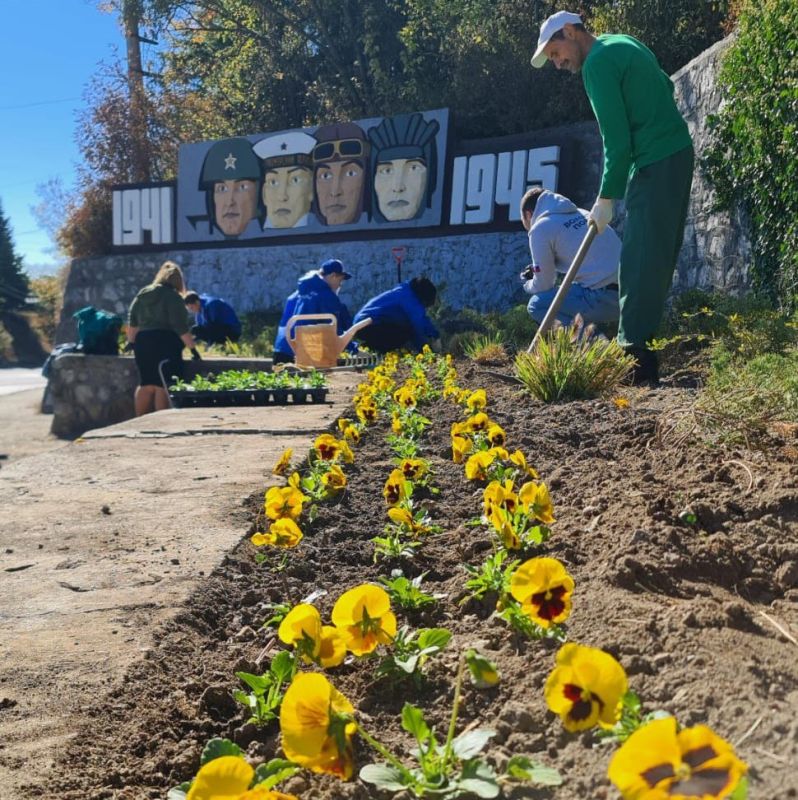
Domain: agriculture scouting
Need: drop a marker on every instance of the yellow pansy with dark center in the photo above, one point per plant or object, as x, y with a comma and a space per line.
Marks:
502, 523
284, 501
460, 448
413, 468
327, 446
536, 501
281, 467
693, 763
543, 587
334, 479
585, 687
496, 435
477, 400
394, 489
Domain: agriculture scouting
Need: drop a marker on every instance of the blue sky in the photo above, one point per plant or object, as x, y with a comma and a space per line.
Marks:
49, 49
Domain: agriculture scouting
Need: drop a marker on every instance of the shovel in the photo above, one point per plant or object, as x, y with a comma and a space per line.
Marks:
565, 285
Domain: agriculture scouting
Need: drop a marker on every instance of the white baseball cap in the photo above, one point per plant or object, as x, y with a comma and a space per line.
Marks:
553, 24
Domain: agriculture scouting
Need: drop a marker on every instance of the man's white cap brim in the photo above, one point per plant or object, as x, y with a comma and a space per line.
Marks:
554, 23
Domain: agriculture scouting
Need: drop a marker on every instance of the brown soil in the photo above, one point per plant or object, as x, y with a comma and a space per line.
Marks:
691, 610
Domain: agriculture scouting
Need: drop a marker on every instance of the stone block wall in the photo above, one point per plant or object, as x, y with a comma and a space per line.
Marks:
716, 250
94, 391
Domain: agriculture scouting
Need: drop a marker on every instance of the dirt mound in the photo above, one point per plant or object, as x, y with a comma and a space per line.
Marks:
685, 562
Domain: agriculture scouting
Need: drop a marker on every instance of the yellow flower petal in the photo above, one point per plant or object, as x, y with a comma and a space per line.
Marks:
302, 628
224, 778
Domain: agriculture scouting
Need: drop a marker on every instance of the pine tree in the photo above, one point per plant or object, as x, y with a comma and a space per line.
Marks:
13, 280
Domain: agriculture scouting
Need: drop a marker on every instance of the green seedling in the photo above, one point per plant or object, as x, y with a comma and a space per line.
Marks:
263, 701
493, 576
407, 593
410, 651
631, 719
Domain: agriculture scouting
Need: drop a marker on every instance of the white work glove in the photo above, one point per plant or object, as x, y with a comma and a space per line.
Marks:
601, 213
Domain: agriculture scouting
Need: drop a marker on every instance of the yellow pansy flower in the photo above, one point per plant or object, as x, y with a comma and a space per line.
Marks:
284, 501
413, 468
283, 532
301, 628
333, 647
585, 688
475, 423
502, 523
317, 724
351, 432
519, 460
395, 488
401, 516
364, 616
405, 397
496, 435
476, 467
536, 501
343, 423
657, 762
460, 448
621, 402
327, 446
496, 494
477, 401
334, 479
366, 412
281, 467
227, 778
543, 587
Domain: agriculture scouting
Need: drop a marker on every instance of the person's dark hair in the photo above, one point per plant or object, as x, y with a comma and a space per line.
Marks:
190, 298
530, 200
424, 289
560, 35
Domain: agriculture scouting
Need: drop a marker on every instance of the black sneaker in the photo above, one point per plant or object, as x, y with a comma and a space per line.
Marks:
646, 368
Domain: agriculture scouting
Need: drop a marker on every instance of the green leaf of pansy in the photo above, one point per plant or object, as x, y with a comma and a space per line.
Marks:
470, 743
268, 775
282, 665
384, 776
741, 790
216, 748
413, 722
434, 637
525, 769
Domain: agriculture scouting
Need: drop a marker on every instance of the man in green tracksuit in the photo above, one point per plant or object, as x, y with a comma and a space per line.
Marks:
648, 157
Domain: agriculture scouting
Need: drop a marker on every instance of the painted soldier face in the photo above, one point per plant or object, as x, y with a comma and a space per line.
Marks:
400, 185
339, 188
287, 194
235, 204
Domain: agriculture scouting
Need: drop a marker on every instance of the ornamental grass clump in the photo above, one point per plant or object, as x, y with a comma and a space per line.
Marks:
568, 367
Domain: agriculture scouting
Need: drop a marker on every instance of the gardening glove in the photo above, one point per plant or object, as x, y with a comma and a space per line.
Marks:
195, 355
601, 213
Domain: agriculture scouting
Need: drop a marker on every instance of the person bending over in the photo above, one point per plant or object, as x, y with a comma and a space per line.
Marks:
399, 318
215, 321
556, 228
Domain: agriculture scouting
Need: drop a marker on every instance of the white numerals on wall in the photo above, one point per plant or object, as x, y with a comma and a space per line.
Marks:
481, 182
139, 210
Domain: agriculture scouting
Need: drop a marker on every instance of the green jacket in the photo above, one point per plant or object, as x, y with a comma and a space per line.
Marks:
632, 99
159, 307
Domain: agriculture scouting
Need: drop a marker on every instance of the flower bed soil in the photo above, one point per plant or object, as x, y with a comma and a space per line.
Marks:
682, 606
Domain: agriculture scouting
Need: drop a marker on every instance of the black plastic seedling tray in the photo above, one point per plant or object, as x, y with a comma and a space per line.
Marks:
247, 397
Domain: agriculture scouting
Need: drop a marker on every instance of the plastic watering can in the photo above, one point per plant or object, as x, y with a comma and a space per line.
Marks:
318, 344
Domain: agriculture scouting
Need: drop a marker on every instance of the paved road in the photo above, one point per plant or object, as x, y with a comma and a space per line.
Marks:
19, 379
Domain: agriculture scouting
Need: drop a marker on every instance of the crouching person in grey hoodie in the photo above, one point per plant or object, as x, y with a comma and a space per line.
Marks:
556, 228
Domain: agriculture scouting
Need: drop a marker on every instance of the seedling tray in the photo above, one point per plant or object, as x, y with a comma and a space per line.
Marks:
247, 397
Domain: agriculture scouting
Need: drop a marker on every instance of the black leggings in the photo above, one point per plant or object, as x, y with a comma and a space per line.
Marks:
153, 346
386, 336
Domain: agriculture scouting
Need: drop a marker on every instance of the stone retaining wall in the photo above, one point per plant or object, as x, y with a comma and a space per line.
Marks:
94, 391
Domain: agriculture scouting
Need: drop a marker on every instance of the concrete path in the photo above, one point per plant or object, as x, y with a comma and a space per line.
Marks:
19, 379
104, 538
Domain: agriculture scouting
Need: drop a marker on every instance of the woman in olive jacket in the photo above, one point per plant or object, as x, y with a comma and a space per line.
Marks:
158, 328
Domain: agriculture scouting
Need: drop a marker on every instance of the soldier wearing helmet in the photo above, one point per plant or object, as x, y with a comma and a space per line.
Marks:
340, 158
404, 166
230, 177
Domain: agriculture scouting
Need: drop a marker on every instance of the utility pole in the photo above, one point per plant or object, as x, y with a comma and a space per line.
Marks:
140, 146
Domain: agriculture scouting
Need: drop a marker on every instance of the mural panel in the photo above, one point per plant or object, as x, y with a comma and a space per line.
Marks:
378, 173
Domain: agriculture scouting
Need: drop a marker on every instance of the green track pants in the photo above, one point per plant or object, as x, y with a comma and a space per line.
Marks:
656, 208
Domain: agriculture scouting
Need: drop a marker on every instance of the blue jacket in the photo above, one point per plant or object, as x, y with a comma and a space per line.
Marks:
216, 310
397, 306
313, 295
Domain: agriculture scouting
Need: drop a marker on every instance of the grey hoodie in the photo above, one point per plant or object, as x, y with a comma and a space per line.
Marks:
558, 228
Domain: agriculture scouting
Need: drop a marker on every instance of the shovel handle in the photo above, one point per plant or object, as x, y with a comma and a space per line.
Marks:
565, 285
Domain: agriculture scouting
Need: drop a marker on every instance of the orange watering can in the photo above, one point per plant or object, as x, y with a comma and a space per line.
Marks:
318, 344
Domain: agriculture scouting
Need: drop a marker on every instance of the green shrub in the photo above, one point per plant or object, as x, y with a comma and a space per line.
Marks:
485, 349
565, 366
743, 398
753, 160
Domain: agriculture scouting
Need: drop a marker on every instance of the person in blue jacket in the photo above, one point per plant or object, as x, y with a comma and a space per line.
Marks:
214, 319
316, 293
399, 318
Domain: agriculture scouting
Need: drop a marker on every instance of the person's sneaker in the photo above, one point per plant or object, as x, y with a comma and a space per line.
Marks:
646, 368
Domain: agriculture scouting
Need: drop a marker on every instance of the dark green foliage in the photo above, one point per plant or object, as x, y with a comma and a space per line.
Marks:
13, 280
754, 158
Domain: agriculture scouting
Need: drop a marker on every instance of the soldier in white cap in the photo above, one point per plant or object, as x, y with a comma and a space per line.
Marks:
287, 178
